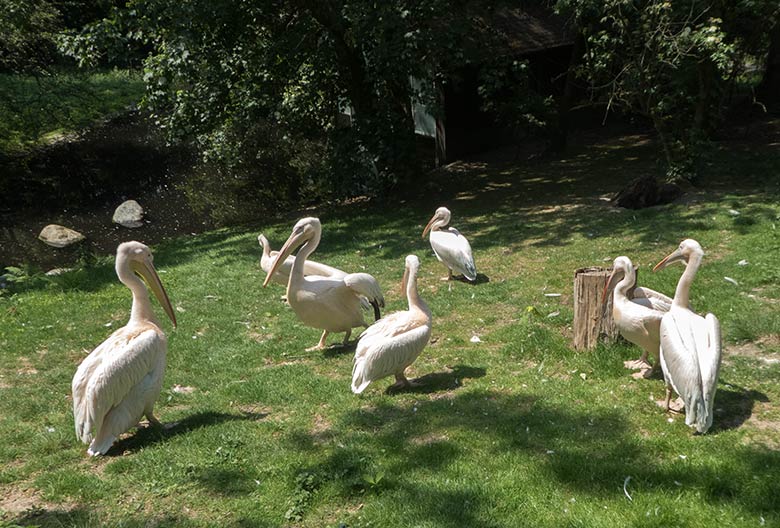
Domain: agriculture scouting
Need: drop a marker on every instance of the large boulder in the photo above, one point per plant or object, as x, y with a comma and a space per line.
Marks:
129, 214
59, 236
646, 191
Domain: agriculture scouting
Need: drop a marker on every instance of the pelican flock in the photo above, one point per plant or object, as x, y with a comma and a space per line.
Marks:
690, 344
450, 247
637, 313
332, 304
391, 344
119, 381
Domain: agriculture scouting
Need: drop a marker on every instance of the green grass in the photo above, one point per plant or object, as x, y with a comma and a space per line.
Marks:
517, 430
34, 110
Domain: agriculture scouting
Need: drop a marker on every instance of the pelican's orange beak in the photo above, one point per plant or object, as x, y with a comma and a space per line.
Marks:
672, 257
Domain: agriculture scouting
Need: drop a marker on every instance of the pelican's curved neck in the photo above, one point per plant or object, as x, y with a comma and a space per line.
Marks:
625, 283
296, 273
682, 295
412, 296
266, 249
142, 306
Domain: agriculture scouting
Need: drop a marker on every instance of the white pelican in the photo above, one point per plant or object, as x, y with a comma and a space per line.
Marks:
451, 248
637, 313
119, 381
330, 303
394, 342
690, 344
310, 267
282, 275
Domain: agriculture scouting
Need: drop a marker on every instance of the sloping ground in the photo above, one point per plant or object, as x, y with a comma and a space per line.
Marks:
515, 429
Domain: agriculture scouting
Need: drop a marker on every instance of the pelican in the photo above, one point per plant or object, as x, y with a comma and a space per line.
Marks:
393, 343
690, 344
119, 381
637, 313
310, 267
450, 247
282, 275
330, 303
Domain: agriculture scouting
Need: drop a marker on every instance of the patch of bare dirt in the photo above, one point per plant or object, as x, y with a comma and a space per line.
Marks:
15, 501
763, 349
26, 368
428, 439
321, 430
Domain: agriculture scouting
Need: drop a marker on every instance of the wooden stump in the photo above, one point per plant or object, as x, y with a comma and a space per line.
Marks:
592, 319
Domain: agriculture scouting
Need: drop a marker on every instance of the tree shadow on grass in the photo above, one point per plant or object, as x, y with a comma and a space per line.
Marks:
734, 407
590, 452
441, 381
148, 436
84, 516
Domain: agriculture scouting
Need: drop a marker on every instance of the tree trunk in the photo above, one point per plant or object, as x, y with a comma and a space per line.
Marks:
592, 318
560, 133
769, 89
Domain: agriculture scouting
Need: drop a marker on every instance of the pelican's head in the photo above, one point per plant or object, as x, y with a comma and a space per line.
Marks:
138, 258
688, 248
263, 243
621, 267
304, 230
440, 219
410, 270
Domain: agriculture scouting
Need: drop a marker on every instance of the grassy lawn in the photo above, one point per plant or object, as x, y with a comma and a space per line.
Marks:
514, 430
38, 109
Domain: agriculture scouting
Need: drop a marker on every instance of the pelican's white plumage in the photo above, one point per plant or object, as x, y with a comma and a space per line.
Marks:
391, 344
119, 381
330, 303
282, 275
637, 313
450, 247
690, 344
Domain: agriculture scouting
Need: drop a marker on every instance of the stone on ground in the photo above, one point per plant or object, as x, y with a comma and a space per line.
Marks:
129, 214
59, 236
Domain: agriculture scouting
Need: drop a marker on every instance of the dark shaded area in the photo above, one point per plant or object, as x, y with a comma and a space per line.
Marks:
441, 381
43, 518
646, 191
148, 436
733, 406
590, 452
79, 181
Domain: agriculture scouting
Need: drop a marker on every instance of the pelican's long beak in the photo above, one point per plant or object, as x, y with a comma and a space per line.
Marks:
428, 225
149, 275
611, 281
405, 280
672, 257
295, 240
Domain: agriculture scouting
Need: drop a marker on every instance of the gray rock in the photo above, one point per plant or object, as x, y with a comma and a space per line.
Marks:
129, 214
59, 236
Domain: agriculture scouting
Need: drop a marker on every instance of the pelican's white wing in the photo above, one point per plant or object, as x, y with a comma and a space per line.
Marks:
709, 362
454, 251
116, 383
389, 346
367, 287
685, 345
651, 299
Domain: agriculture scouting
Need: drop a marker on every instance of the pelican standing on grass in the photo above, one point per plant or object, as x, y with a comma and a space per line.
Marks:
450, 247
119, 381
332, 304
637, 313
391, 344
690, 344
310, 267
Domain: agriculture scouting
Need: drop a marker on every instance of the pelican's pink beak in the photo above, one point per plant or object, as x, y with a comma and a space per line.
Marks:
672, 257
149, 274
429, 224
295, 240
611, 281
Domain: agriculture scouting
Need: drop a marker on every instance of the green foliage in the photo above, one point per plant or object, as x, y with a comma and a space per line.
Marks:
34, 109
27, 33
675, 63
279, 76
